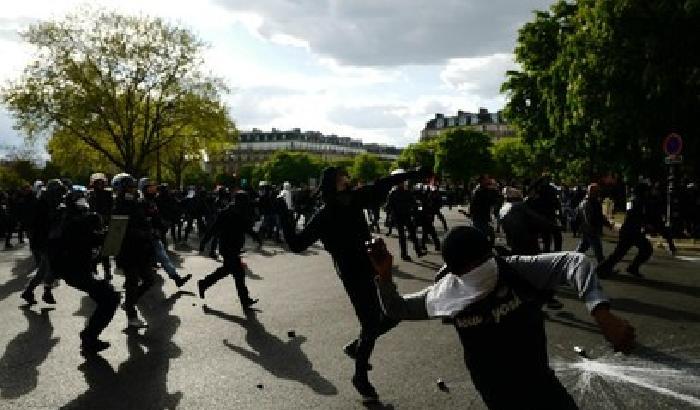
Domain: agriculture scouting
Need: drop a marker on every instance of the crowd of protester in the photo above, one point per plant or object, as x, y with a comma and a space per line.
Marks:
68, 227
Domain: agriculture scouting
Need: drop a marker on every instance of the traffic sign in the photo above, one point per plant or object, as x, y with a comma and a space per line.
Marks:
674, 159
673, 144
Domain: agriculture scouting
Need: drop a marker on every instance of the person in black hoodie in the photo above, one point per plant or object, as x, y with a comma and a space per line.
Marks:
230, 227
631, 234
137, 254
401, 204
341, 226
495, 305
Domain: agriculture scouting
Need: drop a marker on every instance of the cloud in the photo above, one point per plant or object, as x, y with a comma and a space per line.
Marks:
479, 75
371, 117
393, 32
10, 139
376, 70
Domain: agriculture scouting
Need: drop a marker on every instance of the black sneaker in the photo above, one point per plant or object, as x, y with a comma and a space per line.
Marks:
634, 272
181, 280
28, 297
201, 288
406, 258
350, 350
365, 388
47, 297
248, 303
90, 345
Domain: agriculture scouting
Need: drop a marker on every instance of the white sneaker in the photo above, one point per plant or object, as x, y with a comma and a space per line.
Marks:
136, 322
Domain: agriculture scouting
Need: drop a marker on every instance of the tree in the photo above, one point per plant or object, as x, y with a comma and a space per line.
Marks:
462, 154
194, 176
367, 168
512, 159
418, 154
295, 167
246, 174
206, 129
124, 87
601, 78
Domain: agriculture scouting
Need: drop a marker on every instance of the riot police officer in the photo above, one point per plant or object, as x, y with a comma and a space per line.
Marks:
72, 254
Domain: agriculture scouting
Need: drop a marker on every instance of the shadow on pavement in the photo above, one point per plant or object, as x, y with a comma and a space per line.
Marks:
25, 353
427, 264
140, 381
284, 360
647, 309
249, 273
87, 306
21, 270
570, 320
176, 258
657, 284
378, 406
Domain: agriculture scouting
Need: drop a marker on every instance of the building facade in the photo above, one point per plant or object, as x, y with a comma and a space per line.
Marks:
486, 122
256, 146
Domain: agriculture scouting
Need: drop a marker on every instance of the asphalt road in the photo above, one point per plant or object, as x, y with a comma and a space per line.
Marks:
212, 356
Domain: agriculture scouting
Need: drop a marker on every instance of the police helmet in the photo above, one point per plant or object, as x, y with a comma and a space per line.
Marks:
121, 182
145, 182
98, 176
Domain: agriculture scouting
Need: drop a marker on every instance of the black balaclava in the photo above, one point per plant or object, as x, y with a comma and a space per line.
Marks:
464, 245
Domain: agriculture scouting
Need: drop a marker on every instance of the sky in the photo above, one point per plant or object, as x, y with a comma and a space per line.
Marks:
375, 70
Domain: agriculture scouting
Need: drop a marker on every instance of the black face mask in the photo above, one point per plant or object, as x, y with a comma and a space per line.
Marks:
149, 196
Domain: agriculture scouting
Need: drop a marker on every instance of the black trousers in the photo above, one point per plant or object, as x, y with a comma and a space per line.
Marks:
441, 217
403, 225
234, 267
362, 292
103, 294
626, 242
428, 229
138, 279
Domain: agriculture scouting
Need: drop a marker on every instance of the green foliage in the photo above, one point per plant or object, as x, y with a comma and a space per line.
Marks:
602, 78
295, 167
225, 179
117, 89
193, 175
463, 154
10, 178
246, 176
419, 154
513, 159
367, 168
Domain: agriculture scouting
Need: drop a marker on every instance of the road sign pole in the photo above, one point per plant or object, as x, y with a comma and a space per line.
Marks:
672, 146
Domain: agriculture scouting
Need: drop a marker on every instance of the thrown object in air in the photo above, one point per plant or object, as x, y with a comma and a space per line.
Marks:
442, 386
291, 333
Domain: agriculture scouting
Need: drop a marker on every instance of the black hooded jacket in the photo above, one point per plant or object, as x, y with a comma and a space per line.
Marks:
341, 226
